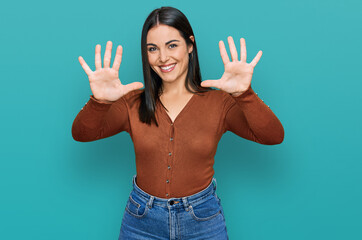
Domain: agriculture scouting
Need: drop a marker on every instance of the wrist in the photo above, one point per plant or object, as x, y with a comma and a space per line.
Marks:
101, 101
237, 94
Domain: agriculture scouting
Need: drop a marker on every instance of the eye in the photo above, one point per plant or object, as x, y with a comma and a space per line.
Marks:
151, 49
173, 45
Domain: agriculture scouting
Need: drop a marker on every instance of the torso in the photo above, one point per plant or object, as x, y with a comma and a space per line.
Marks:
174, 104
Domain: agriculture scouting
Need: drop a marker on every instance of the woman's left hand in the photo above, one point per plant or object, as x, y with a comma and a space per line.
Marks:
237, 76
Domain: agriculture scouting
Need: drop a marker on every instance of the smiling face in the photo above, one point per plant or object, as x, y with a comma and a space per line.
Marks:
168, 54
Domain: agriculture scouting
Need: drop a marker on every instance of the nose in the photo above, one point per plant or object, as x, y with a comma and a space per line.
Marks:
163, 56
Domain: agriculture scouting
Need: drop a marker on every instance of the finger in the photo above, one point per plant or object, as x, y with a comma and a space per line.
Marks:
98, 60
107, 55
256, 59
233, 51
133, 86
242, 50
85, 66
118, 58
210, 83
223, 53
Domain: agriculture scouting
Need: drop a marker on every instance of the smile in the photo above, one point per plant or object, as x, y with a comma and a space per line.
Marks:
168, 68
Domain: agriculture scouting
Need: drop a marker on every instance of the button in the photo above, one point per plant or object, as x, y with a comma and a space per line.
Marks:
169, 153
171, 139
167, 194
268, 106
171, 124
167, 181
169, 167
171, 202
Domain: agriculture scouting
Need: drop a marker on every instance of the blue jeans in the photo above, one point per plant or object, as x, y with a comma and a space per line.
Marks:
199, 216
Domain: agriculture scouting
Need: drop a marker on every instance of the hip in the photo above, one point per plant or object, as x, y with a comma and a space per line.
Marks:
191, 217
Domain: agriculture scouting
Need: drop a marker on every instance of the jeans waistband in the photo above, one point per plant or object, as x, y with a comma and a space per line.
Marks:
167, 202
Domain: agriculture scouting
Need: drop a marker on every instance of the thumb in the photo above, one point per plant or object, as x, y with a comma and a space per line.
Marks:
210, 83
133, 86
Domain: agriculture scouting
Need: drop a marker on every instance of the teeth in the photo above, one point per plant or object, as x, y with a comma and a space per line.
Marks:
166, 68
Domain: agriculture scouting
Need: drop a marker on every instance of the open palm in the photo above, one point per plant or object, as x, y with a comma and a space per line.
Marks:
238, 74
104, 82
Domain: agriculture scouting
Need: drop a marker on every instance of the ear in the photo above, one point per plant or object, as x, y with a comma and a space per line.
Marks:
191, 46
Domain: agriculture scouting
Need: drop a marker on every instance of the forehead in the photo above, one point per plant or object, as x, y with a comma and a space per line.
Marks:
162, 33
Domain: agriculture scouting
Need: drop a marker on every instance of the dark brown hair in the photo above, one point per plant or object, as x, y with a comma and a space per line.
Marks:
153, 83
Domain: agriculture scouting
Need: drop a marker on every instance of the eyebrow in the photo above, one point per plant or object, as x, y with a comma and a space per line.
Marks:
165, 43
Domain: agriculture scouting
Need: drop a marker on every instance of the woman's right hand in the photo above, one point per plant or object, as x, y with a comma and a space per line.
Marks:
104, 82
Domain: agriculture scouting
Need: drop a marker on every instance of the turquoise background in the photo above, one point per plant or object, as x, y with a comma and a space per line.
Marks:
309, 187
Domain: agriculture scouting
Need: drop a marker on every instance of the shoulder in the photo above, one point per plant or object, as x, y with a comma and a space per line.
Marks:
219, 96
215, 99
130, 98
221, 93
133, 95
223, 100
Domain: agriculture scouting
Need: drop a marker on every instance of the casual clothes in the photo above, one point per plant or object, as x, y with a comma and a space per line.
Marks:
176, 158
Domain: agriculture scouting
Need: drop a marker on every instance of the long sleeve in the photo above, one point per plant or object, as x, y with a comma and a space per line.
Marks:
99, 120
250, 118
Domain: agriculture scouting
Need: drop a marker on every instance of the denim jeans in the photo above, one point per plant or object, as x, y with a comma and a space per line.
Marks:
199, 216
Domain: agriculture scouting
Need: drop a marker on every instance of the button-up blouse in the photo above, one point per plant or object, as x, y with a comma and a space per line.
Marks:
176, 158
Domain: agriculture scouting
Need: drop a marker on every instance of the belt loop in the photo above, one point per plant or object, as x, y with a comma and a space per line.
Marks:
150, 202
133, 178
214, 179
185, 203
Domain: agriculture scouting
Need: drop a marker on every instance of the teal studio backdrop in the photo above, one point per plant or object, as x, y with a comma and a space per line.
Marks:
308, 187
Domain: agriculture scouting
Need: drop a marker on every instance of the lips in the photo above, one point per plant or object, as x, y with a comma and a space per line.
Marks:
167, 68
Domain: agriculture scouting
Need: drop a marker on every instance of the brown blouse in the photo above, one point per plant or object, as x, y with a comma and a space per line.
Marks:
176, 159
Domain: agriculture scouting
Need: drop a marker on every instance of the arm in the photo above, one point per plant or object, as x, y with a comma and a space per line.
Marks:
99, 120
248, 117
245, 114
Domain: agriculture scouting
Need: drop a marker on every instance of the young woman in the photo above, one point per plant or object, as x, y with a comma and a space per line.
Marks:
175, 123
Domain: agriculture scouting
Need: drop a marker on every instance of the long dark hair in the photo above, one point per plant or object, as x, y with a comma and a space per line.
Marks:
153, 83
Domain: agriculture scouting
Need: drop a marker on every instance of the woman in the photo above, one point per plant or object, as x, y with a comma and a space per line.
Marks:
175, 123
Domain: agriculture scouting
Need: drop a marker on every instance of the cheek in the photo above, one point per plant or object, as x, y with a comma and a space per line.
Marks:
182, 56
185, 60
152, 61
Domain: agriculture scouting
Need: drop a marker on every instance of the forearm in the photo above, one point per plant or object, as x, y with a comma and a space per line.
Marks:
262, 122
101, 101
87, 125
